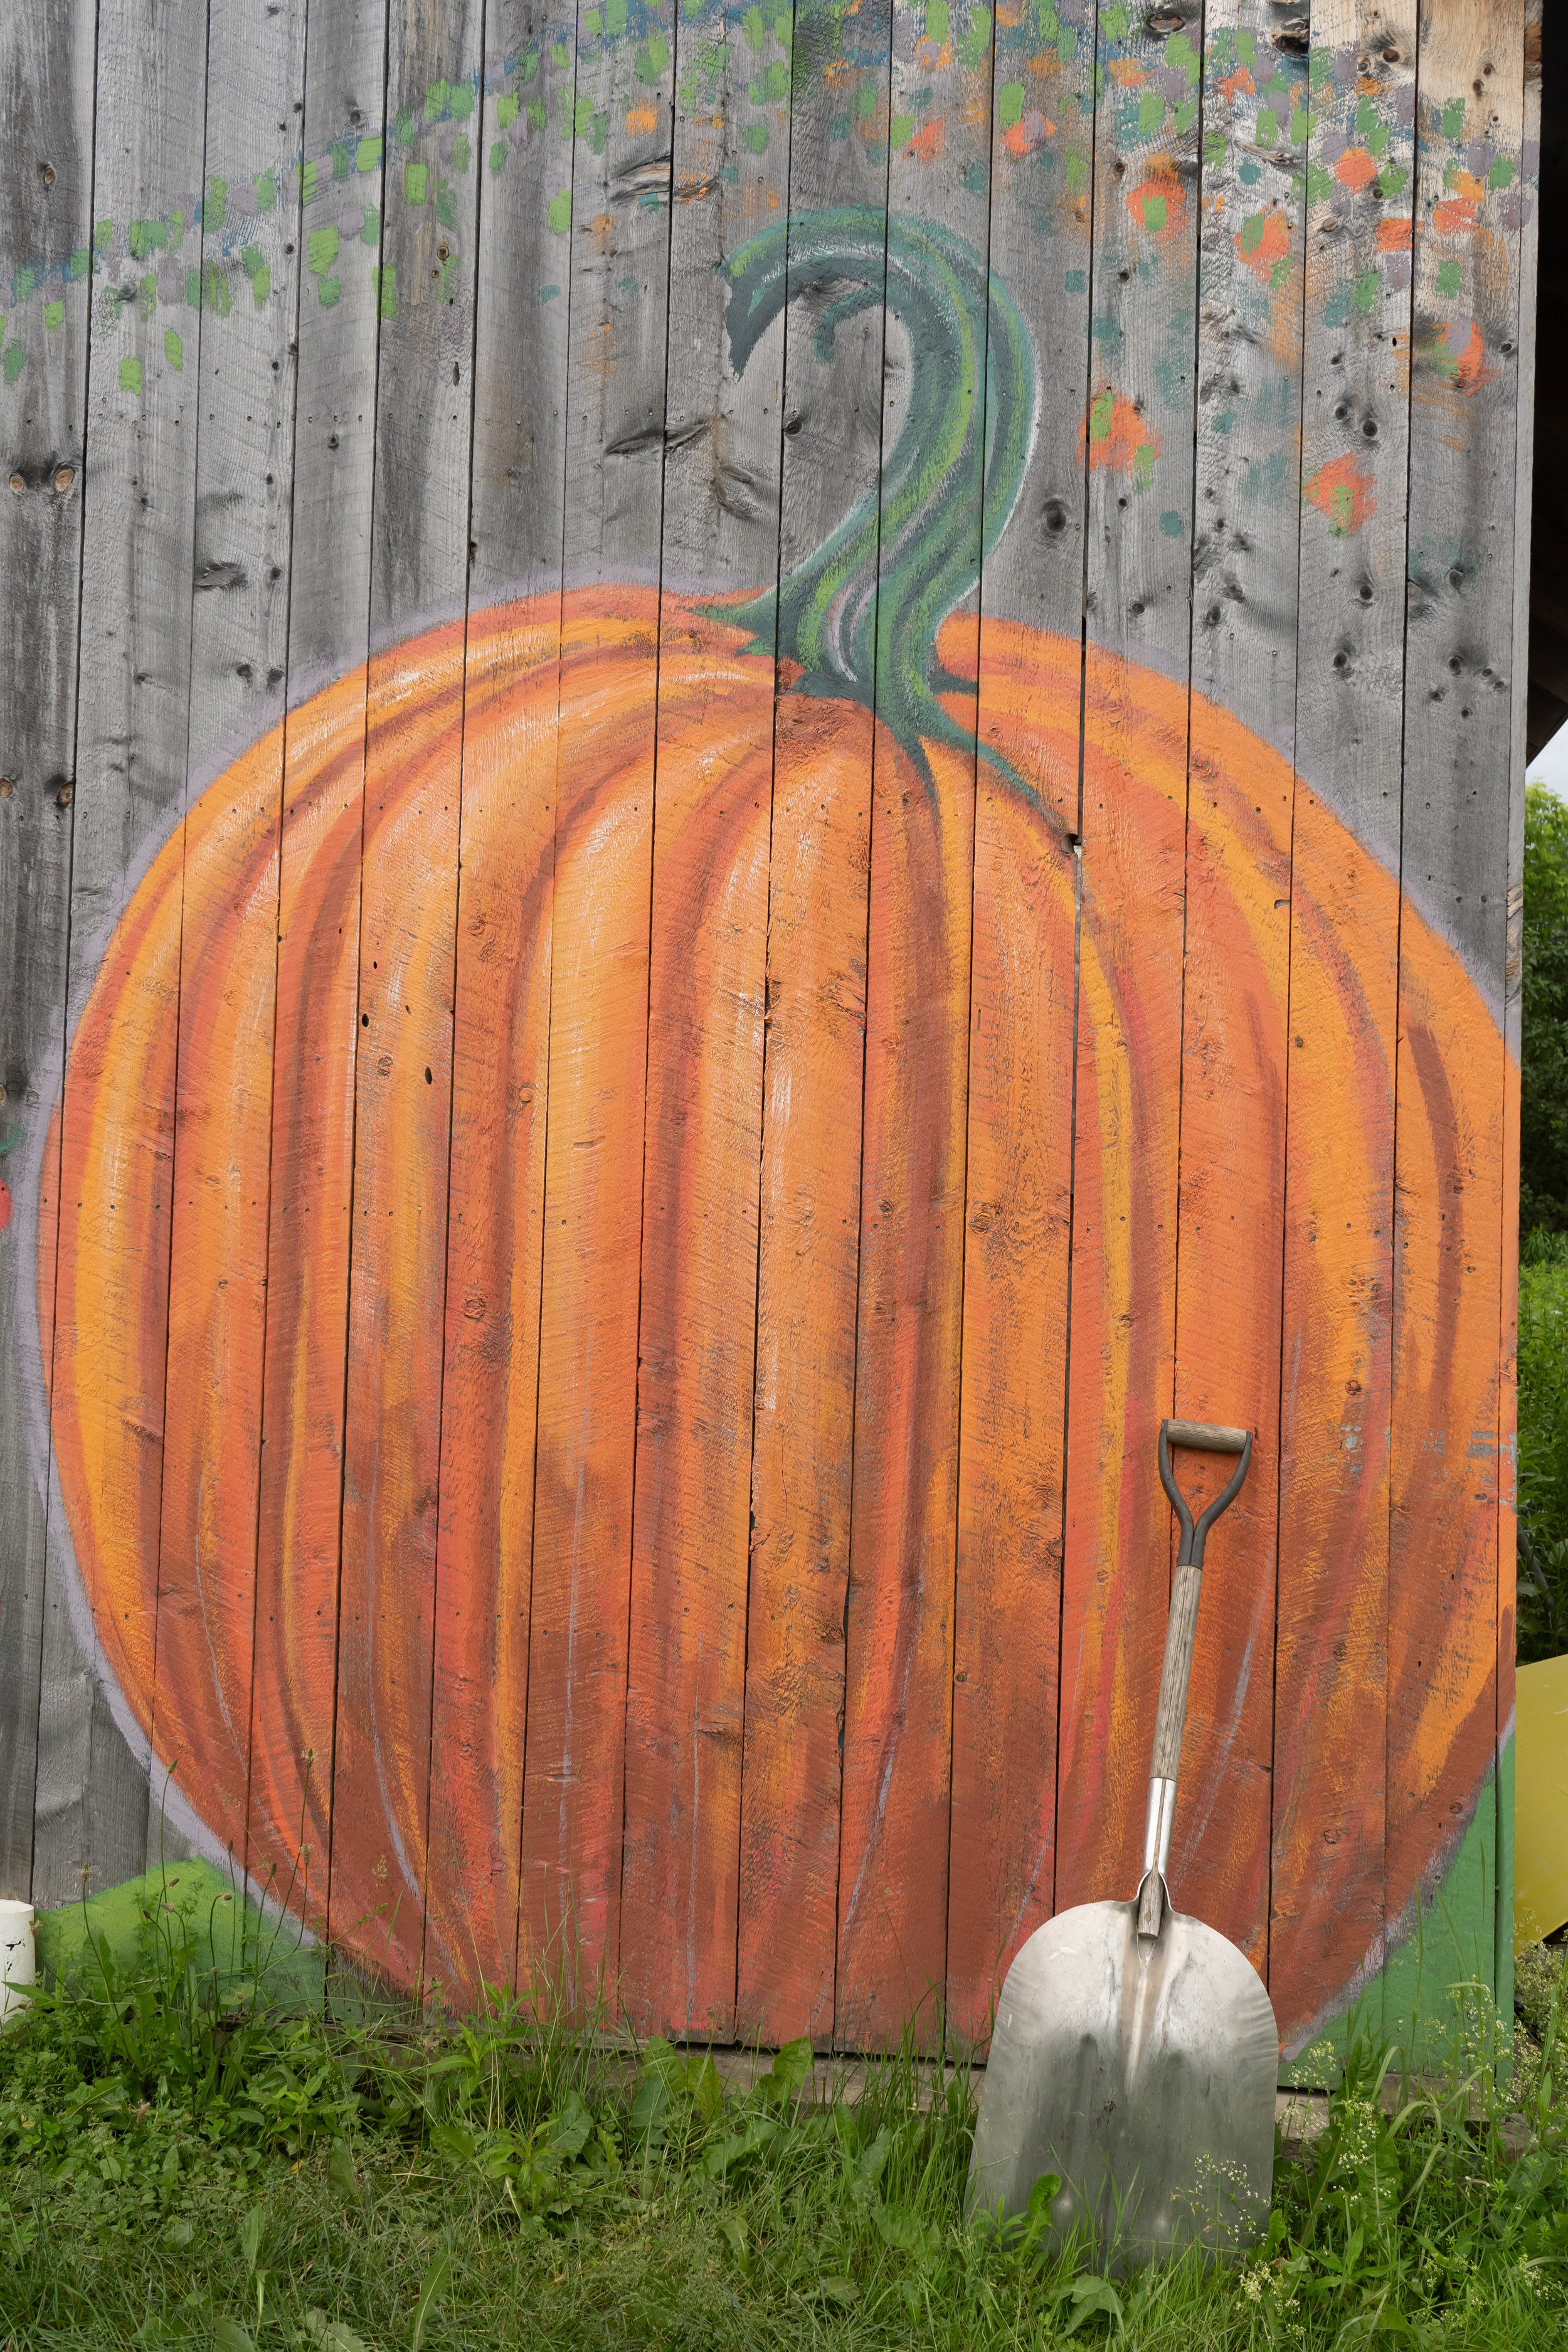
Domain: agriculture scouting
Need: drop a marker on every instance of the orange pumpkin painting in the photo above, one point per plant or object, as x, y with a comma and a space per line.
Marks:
575, 1434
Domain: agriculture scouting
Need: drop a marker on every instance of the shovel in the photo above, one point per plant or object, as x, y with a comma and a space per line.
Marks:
1136, 2055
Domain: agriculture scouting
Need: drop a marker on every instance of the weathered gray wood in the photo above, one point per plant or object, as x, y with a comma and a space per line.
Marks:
801, 1460
299, 1510
419, 561
615, 227
1020, 1141
722, 432
1138, 439
697, 1343
520, 367
1348, 725
132, 699
46, 192
1459, 729
240, 623
1252, 198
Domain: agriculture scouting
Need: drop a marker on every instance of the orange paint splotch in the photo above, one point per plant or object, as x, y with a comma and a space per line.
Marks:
1116, 437
1455, 215
1159, 204
933, 57
1356, 169
1238, 84
1009, 17
928, 144
1043, 67
1128, 72
1466, 366
1028, 132
1394, 236
1342, 490
1464, 184
1263, 241
641, 119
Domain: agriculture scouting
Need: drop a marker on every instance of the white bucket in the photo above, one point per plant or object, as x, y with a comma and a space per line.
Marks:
19, 1959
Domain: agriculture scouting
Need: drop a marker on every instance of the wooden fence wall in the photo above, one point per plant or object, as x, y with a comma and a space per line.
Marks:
760, 773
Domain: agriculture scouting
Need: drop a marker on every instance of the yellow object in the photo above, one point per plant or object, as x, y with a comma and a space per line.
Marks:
1541, 1800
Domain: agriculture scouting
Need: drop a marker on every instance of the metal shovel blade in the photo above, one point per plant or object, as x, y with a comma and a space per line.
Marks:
1143, 2071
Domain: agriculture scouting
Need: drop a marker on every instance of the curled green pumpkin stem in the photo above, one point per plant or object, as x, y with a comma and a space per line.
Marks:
860, 615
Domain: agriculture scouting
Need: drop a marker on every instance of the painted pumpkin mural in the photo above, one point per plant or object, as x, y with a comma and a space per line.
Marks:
653, 1337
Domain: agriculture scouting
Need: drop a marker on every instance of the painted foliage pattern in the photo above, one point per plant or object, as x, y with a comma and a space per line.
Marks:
696, 1040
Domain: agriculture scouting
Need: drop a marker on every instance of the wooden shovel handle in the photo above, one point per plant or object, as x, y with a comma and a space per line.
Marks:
1181, 1631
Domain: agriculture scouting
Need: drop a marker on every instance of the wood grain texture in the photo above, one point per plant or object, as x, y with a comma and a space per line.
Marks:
47, 76
1330, 1644
1022, 1014
408, 913
1234, 1077
239, 620
808, 1238
617, 264
697, 1343
501, 1034
898, 1717
1448, 1165
132, 697
1139, 441
316, 1012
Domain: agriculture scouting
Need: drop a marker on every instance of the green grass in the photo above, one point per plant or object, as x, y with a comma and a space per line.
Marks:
182, 2161
1543, 1445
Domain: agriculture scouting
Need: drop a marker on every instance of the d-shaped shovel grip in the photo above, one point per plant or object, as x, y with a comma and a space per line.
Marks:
1180, 1634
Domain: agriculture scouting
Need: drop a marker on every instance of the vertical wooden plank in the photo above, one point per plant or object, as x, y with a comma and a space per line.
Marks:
1139, 438
809, 1240
134, 689
1237, 956
616, 271
1443, 1563
1507, 1418
46, 211
217, 1292
316, 1017
1023, 1010
1331, 1663
408, 908
697, 1343
898, 1724
495, 1230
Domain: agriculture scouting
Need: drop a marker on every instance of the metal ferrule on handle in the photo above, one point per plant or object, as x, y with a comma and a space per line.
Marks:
1180, 1636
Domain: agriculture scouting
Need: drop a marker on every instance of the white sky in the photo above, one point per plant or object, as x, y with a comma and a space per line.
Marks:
1550, 765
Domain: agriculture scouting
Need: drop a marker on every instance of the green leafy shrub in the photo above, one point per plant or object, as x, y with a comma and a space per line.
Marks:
1543, 1446
1544, 993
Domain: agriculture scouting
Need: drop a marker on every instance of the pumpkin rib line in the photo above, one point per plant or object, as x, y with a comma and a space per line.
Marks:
334, 867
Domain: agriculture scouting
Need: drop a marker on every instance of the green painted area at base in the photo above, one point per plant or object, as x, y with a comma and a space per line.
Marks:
1449, 1977
184, 1911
